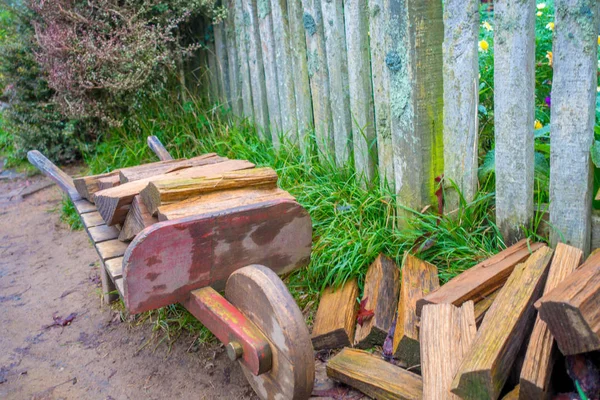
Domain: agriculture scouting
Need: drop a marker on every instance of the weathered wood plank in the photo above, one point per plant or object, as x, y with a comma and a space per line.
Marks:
102, 233
573, 94
158, 148
108, 182
83, 206
514, 114
373, 376
356, 19
419, 278
138, 218
483, 305
571, 309
119, 286
111, 249
257, 72
92, 219
486, 367
114, 267
446, 334
241, 40
541, 352
88, 185
461, 98
481, 280
318, 74
169, 259
336, 316
163, 167
235, 88
265, 27
47, 167
337, 64
213, 71
414, 61
222, 62
381, 290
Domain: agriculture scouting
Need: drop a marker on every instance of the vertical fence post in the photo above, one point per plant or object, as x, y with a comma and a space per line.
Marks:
265, 26
414, 62
222, 63
213, 71
232, 58
572, 121
337, 62
241, 40
514, 110
304, 111
257, 75
378, 12
285, 77
461, 98
319, 75
356, 17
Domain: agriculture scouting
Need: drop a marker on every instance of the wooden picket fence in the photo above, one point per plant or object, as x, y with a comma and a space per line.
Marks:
394, 85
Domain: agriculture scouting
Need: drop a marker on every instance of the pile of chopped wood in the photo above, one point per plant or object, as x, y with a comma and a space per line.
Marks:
134, 198
523, 324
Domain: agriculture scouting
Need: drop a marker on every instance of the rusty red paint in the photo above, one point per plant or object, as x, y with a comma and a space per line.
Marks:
228, 324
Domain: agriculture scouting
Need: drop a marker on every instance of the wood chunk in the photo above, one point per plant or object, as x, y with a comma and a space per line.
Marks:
446, 334
571, 309
92, 219
138, 218
166, 192
374, 376
114, 267
482, 279
486, 367
336, 316
108, 182
164, 167
483, 306
102, 233
513, 394
113, 204
541, 352
219, 201
381, 289
419, 278
88, 185
111, 249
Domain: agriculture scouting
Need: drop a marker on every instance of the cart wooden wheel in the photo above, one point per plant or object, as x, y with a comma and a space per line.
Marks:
263, 298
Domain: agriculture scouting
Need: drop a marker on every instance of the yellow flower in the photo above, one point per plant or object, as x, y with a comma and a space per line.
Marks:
550, 26
599, 39
539, 13
487, 26
541, 6
484, 45
537, 125
550, 58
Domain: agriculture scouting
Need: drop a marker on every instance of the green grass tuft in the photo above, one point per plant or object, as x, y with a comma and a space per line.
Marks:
69, 214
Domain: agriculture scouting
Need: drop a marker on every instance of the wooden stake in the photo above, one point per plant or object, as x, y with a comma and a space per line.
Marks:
373, 376
381, 289
419, 278
235, 87
486, 367
446, 334
222, 63
138, 218
336, 316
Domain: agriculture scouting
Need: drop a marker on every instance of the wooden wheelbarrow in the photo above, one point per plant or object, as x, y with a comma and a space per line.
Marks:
241, 250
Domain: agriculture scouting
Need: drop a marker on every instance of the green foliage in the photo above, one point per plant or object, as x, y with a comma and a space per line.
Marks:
69, 214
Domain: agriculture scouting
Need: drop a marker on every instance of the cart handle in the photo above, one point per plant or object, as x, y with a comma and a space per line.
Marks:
157, 147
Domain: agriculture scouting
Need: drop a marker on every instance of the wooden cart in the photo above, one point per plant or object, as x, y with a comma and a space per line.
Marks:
241, 250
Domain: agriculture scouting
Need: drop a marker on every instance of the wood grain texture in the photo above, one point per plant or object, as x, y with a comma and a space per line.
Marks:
514, 114
336, 317
241, 37
260, 295
541, 352
483, 305
219, 201
573, 93
374, 377
222, 62
169, 259
419, 278
92, 219
164, 192
486, 367
102, 233
111, 249
113, 204
461, 98
571, 309
381, 290
356, 19
138, 218
158, 148
108, 182
88, 185
47, 167
114, 267
164, 167
482, 279
235, 88
83, 206
446, 334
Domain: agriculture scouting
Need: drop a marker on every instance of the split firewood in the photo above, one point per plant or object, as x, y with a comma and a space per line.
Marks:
487, 366
541, 352
373, 376
483, 279
143, 171
114, 203
336, 316
138, 218
108, 182
166, 192
483, 305
419, 278
88, 185
380, 295
515, 394
571, 309
446, 334
219, 201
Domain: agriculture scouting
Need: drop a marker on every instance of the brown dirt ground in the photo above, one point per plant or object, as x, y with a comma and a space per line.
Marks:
47, 270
